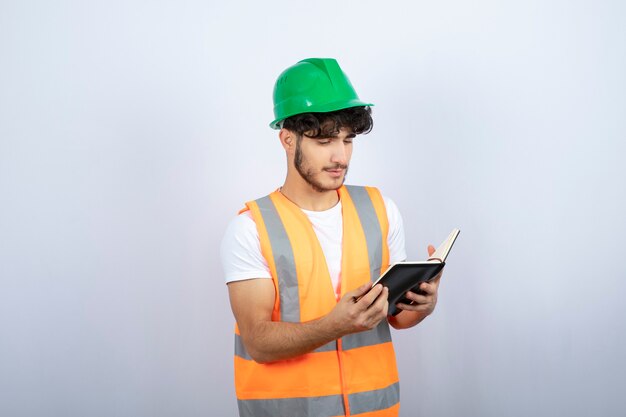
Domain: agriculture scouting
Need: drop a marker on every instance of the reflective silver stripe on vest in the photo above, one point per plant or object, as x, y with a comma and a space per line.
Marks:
284, 261
380, 399
240, 349
327, 406
379, 334
328, 347
371, 227
374, 240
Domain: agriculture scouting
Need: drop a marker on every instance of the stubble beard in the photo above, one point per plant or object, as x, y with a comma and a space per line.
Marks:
308, 175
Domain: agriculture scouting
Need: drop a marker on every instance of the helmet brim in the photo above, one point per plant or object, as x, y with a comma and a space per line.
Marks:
324, 108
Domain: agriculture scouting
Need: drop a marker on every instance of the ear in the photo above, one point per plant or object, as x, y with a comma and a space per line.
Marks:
287, 139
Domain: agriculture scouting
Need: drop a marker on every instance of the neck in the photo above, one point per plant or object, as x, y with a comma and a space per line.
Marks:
305, 197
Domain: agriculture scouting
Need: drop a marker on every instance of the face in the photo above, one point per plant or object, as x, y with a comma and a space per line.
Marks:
323, 162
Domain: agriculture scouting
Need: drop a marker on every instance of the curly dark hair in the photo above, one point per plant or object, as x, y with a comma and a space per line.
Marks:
321, 125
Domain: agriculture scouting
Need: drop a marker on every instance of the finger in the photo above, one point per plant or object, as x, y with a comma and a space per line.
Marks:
429, 288
413, 307
367, 299
381, 299
417, 298
431, 250
379, 307
360, 291
386, 306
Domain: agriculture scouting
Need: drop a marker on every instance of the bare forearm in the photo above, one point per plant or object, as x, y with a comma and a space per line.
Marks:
406, 319
271, 341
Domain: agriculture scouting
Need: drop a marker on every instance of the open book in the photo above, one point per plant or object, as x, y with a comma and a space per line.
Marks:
404, 276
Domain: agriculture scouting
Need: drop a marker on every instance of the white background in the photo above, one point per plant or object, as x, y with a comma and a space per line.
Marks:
132, 131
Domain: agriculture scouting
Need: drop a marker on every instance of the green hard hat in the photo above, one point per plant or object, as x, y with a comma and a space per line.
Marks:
313, 85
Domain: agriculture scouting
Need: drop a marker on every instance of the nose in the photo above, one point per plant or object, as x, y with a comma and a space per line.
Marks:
340, 154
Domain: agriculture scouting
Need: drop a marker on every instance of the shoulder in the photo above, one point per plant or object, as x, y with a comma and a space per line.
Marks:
241, 226
393, 213
240, 251
390, 205
395, 237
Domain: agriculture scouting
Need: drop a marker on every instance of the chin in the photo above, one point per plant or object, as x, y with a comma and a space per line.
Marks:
335, 185
323, 187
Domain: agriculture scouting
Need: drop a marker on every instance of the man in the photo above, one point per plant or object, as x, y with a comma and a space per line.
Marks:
312, 335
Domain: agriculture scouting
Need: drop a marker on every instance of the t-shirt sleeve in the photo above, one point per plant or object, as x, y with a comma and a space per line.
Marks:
240, 251
395, 238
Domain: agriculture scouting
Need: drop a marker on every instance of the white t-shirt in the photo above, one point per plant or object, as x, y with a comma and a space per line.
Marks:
241, 248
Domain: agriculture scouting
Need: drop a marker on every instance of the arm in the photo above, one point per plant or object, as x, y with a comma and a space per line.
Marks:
265, 340
424, 304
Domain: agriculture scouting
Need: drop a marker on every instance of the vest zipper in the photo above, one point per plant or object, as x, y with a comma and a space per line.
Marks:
344, 390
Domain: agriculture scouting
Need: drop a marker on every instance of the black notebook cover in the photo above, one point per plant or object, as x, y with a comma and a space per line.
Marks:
404, 276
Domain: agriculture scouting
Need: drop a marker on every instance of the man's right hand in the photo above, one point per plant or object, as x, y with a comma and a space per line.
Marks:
358, 310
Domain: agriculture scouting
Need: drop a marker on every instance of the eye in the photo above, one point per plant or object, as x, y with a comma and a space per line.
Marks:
347, 141
323, 142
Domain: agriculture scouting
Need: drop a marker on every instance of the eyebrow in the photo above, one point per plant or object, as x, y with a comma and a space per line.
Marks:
349, 136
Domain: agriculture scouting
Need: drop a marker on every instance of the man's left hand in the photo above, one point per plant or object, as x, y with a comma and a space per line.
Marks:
423, 303
426, 300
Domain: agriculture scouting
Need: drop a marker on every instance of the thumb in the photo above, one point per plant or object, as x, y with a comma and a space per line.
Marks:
431, 250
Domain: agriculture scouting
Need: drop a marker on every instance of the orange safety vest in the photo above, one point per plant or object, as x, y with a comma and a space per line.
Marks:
354, 375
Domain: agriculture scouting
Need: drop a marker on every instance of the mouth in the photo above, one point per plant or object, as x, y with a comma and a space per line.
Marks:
335, 172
